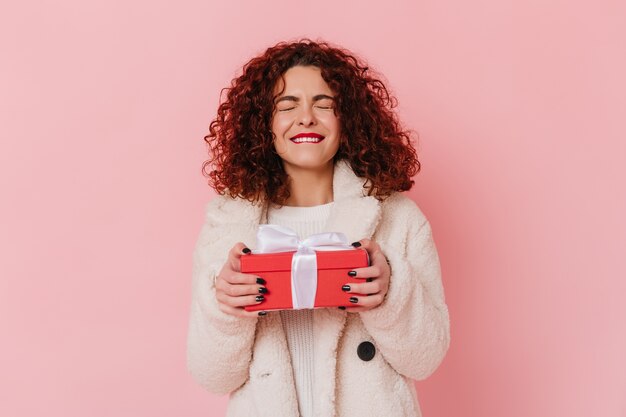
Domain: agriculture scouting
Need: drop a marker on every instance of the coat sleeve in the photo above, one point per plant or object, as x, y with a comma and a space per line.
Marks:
411, 327
219, 346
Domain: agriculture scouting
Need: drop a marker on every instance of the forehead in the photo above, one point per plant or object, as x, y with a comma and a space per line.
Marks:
303, 80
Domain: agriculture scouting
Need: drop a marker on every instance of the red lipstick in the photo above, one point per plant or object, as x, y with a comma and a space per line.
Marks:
308, 135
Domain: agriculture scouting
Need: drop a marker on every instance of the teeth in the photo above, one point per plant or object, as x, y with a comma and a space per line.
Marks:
306, 139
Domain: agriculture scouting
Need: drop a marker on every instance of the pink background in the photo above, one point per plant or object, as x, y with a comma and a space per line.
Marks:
520, 108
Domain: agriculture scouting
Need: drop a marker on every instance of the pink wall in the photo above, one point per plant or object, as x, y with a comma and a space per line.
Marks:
520, 109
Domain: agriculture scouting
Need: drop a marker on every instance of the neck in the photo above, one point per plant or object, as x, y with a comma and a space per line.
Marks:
310, 187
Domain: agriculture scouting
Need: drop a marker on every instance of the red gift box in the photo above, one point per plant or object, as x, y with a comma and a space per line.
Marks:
332, 274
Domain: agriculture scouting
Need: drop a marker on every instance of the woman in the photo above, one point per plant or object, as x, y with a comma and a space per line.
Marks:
306, 138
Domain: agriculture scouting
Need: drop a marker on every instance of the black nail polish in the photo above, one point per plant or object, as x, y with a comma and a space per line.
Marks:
356, 244
369, 280
246, 250
342, 307
262, 313
260, 298
345, 288
354, 300
352, 273
263, 290
260, 281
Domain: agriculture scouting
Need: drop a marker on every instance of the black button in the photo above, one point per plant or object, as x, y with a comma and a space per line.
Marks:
366, 351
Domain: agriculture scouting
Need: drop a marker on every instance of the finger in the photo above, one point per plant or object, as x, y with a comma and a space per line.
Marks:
357, 309
236, 252
373, 271
366, 288
366, 301
239, 278
242, 301
368, 244
373, 250
240, 312
242, 289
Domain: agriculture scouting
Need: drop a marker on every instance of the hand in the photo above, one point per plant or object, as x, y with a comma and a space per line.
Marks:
376, 279
235, 290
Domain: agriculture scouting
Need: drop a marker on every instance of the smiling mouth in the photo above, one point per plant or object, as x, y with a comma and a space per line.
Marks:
307, 139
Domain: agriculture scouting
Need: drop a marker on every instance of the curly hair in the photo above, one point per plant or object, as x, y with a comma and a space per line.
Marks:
242, 159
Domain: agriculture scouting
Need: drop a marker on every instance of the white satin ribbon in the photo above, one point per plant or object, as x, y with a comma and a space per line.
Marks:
272, 238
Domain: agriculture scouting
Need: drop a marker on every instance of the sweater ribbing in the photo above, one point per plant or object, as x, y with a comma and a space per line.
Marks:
298, 324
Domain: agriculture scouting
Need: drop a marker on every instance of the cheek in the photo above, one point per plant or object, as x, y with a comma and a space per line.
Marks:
280, 124
335, 147
338, 128
337, 134
332, 123
278, 129
280, 144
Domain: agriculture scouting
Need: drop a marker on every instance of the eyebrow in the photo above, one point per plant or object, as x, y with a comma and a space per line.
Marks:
296, 99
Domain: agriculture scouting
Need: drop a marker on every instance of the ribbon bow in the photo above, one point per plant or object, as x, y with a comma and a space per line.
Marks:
272, 238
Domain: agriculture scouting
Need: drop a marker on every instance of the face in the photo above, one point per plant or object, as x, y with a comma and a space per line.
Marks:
304, 123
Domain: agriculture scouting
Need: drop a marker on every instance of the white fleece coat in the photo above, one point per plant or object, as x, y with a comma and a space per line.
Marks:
249, 357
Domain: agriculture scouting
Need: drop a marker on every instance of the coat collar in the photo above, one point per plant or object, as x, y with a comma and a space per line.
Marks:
353, 212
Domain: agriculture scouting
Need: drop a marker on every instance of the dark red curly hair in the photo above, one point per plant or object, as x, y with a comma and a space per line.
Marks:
243, 162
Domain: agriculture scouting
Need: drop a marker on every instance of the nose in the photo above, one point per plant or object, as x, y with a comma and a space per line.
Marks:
306, 116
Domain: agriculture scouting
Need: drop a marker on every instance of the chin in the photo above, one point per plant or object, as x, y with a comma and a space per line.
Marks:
307, 164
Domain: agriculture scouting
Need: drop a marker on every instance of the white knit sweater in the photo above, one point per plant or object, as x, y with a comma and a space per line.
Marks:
298, 324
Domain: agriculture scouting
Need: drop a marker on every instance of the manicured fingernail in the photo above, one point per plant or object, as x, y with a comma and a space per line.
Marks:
369, 280
354, 300
345, 288
260, 298
263, 290
246, 250
262, 313
260, 281
356, 244
352, 273
342, 307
